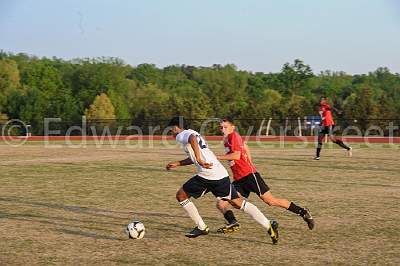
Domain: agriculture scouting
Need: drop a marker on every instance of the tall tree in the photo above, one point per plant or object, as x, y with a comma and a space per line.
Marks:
295, 77
9, 81
101, 108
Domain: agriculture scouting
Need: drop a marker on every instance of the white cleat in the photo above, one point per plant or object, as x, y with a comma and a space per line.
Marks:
350, 152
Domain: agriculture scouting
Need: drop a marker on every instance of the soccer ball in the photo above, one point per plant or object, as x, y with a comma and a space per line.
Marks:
135, 230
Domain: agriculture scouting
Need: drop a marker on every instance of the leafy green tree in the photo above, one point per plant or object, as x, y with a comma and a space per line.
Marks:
33, 108
225, 87
32, 88
298, 106
9, 81
146, 74
93, 78
361, 107
295, 76
101, 108
150, 102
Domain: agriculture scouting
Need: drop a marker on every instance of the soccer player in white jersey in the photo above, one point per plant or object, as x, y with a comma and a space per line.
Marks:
211, 177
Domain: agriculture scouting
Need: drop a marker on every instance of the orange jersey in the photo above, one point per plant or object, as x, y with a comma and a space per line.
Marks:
326, 114
242, 167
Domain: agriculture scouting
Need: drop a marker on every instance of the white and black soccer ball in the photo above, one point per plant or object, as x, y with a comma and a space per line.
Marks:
135, 230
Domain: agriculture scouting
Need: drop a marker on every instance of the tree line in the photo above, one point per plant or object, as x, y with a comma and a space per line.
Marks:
33, 88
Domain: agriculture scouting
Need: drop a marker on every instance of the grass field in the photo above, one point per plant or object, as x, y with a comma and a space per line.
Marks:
71, 205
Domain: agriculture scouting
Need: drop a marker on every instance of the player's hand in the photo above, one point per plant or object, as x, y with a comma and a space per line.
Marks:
205, 164
172, 165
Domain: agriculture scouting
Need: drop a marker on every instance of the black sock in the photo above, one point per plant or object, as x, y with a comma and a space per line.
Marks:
319, 146
230, 217
341, 144
318, 151
296, 209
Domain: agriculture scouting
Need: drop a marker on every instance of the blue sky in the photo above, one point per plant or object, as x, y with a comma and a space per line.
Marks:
355, 36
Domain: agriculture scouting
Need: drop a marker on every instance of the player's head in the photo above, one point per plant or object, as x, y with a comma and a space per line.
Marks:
227, 125
177, 124
323, 100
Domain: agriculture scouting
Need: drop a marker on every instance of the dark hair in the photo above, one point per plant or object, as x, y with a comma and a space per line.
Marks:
178, 121
228, 119
323, 97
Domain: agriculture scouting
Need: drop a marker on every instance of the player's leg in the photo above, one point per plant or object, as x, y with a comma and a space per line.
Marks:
340, 143
269, 199
255, 183
258, 216
223, 189
232, 225
321, 135
193, 188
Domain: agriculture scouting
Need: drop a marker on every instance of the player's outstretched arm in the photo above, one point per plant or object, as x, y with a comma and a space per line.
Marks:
184, 162
196, 149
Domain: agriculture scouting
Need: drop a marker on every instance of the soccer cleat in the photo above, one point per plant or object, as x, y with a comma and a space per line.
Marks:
350, 152
197, 232
308, 218
317, 158
229, 228
273, 232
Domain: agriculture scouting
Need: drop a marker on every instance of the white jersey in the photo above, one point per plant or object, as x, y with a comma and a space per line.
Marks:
217, 170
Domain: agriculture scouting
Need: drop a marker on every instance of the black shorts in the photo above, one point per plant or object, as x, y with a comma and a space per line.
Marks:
197, 186
251, 183
327, 130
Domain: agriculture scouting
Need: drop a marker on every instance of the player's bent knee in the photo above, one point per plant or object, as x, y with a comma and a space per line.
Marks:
236, 203
181, 195
268, 199
269, 202
221, 205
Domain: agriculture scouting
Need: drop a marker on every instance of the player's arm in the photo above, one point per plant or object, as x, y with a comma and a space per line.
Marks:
196, 149
247, 150
321, 114
184, 162
230, 156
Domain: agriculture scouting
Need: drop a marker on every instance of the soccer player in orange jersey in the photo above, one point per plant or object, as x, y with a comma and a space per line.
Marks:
247, 179
325, 111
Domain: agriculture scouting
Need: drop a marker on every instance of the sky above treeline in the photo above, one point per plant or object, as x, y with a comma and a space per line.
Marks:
354, 36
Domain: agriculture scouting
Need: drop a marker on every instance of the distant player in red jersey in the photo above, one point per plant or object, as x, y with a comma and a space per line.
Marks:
325, 111
247, 179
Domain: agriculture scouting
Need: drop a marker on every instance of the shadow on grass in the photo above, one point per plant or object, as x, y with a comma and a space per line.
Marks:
88, 210
98, 212
89, 234
40, 219
330, 182
317, 164
87, 230
147, 217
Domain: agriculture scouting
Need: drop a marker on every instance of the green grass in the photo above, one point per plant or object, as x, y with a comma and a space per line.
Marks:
70, 206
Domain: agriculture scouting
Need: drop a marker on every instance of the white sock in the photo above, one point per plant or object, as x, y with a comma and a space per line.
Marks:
255, 213
193, 213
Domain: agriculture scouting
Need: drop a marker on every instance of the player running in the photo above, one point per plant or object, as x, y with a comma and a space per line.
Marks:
325, 111
247, 179
211, 176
